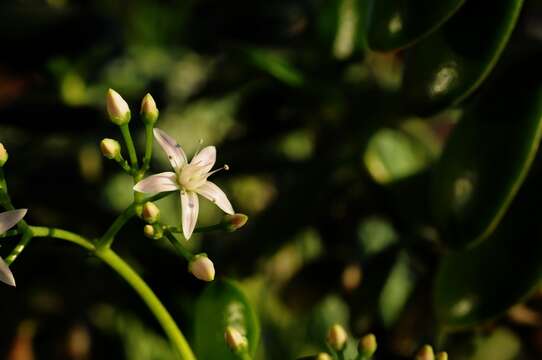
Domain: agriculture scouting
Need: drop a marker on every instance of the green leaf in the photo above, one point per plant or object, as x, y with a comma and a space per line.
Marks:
452, 62
275, 65
223, 304
481, 283
394, 24
487, 158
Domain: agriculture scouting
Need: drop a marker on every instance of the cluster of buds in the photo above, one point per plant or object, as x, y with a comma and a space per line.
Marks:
427, 353
337, 340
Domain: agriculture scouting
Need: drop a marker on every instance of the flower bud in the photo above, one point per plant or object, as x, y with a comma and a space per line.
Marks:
150, 212
117, 108
3, 155
367, 345
110, 148
235, 340
235, 221
336, 337
153, 232
425, 353
443, 355
149, 112
202, 268
323, 356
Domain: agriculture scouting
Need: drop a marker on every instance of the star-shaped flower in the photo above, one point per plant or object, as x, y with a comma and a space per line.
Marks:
9, 219
189, 177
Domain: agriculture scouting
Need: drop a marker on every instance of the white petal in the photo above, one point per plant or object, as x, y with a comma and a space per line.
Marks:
10, 218
174, 152
190, 209
217, 196
205, 158
5, 273
166, 181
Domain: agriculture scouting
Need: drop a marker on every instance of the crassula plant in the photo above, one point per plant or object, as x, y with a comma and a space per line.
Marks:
186, 181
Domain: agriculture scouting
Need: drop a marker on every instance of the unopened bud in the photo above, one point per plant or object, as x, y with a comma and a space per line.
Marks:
336, 337
3, 155
367, 345
324, 356
425, 353
202, 268
153, 232
443, 355
117, 108
150, 212
149, 111
110, 148
235, 340
235, 221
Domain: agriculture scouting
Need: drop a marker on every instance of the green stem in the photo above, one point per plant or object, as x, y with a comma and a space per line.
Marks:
244, 355
25, 239
131, 277
152, 301
181, 249
148, 147
125, 130
107, 238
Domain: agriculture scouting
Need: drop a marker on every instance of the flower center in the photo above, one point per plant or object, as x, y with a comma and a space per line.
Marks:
191, 176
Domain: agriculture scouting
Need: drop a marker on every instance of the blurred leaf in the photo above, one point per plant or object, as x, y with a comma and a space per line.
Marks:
275, 65
501, 344
393, 24
487, 158
450, 64
392, 155
375, 234
396, 291
221, 305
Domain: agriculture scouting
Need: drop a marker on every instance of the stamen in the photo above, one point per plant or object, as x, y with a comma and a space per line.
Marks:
225, 167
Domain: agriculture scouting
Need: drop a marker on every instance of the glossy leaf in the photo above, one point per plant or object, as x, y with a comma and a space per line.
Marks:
394, 24
483, 282
487, 158
223, 304
450, 64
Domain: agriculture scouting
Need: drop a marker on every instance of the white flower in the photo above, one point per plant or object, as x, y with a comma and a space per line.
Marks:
189, 177
9, 219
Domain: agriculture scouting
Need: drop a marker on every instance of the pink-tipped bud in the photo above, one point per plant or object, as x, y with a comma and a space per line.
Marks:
202, 268
443, 355
235, 340
110, 148
117, 108
367, 345
149, 112
337, 337
153, 232
235, 221
150, 212
425, 353
3, 155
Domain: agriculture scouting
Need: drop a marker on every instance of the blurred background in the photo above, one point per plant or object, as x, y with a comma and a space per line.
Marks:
323, 159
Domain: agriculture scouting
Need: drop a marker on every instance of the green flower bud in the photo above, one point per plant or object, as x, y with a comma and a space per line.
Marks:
149, 112
235, 340
235, 221
202, 267
150, 212
117, 108
425, 353
148, 230
367, 345
337, 337
323, 356
110, 148
154, 232
3, 155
